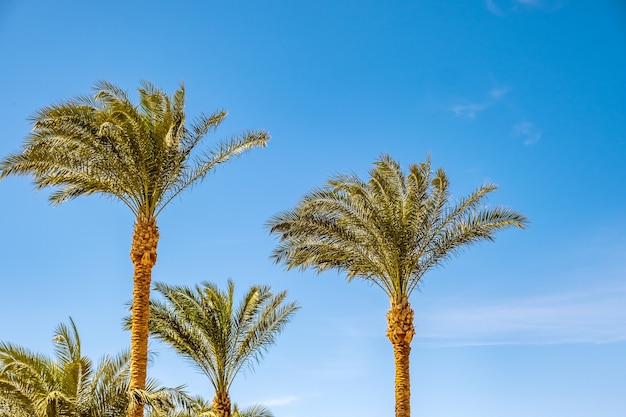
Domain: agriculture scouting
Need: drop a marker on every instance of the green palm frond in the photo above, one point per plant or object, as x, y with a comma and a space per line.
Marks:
142, 155
199, 407
252, 411
389, 230
204, 325
69, 385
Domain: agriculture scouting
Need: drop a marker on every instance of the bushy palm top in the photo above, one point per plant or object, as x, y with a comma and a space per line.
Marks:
141, 155
389, 230
204, 324
199, 407
69, 385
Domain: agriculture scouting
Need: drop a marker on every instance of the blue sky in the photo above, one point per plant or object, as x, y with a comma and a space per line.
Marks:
529, 94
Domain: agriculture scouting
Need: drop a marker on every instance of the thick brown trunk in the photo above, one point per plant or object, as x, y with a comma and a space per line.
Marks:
400, 332
143, 255
221, 405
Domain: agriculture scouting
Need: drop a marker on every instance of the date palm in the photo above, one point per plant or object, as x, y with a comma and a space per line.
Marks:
142, 155
199, 407
204, 325
388, 231
69, 385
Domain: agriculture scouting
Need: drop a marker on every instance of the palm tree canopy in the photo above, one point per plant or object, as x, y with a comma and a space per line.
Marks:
389, 230
204, 325
199, 407
139, 154
69, 384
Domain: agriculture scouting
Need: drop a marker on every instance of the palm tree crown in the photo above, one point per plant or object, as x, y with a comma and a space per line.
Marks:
204, 325
389, 231
70, 385
140, 155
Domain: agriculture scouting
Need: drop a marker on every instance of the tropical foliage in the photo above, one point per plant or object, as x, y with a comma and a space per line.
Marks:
388, 231
69, 385
199, 407
204, 325
142, 155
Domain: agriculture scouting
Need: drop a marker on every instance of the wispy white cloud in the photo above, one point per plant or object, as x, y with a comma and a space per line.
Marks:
505, 7
470, 110
494, 8
498, 93
527, 132
596, 316
274, 402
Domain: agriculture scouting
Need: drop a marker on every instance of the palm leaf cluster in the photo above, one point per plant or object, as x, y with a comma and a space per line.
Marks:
389, 230
140, 154
220, 338
69, 385
199, 407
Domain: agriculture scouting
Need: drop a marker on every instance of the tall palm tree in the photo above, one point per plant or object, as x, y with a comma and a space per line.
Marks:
388, 231
141, 155
69, 385
204, 325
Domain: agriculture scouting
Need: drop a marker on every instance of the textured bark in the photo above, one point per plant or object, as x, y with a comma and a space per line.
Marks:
143, 254
400, 332
221, 405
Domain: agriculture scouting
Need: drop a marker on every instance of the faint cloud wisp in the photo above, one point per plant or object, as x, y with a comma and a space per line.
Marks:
497, 93
585, 317
281, 401
503, 8
527, 132
470, 110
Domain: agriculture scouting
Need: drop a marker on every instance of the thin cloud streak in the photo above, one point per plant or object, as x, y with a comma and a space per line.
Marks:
275, 402
586, 317
498, 92
503, 8
470, 110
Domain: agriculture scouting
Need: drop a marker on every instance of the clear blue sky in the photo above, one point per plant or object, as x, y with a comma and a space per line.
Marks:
529, 94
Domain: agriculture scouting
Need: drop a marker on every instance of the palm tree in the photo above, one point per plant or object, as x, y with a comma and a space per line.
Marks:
69, 385
141, 155
388, 231
199, 407
204, 325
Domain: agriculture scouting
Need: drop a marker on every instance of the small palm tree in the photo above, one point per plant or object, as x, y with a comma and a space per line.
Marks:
140, 155
388, 231
199, 407
204, 325
69, 385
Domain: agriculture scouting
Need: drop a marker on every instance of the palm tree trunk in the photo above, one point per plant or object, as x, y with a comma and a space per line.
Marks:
143, 255
400, 332
221, 404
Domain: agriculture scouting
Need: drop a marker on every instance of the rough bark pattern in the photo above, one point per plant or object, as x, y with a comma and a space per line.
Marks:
221, 405
400, 332
143, 254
